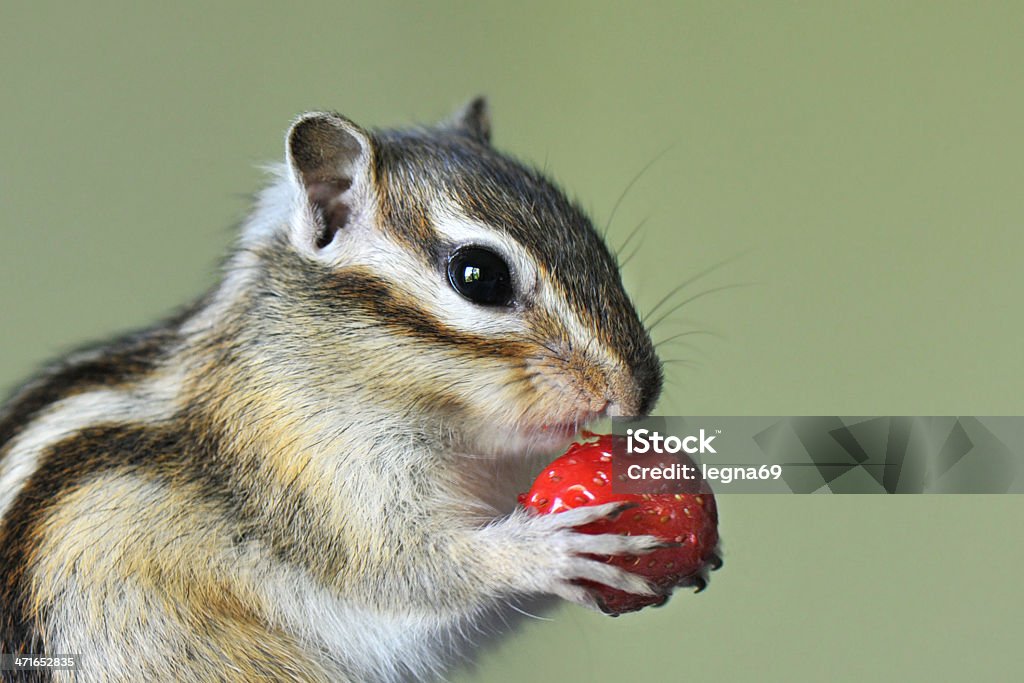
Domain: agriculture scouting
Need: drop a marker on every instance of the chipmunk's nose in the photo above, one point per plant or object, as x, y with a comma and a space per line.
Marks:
636, 390
648, 382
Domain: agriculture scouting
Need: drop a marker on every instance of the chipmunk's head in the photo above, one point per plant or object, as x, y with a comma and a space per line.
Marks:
430, 277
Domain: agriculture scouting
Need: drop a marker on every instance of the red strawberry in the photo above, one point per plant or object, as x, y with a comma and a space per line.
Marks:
583, 476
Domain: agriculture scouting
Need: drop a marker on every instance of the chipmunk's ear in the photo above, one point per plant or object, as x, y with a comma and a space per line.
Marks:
331, 158
473, 120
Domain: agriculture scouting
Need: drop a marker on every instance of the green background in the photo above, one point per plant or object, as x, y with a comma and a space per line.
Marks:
863, 162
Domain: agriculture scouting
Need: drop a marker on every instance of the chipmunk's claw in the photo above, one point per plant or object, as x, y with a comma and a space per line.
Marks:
715, 562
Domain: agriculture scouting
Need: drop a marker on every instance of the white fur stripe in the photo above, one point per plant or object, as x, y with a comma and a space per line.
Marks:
148, 401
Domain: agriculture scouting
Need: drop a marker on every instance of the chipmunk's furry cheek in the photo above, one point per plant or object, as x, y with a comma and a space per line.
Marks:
524, 409
575, 360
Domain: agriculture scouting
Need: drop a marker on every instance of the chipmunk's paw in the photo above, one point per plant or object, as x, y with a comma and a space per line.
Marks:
555, 558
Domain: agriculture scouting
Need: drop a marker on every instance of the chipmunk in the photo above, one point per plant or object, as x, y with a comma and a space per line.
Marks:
305, 475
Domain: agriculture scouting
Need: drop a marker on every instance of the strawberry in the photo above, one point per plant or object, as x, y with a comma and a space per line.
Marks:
686, 521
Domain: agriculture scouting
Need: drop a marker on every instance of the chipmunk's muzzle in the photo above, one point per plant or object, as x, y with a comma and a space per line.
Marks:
648, 383
634, 390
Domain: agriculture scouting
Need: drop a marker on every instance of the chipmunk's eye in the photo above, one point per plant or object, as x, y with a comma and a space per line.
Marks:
481, 276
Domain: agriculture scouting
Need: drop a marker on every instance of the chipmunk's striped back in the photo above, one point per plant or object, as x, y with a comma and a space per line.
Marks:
42, 431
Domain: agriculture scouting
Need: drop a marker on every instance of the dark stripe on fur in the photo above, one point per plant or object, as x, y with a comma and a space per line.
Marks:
65, 464
118, 362
169, 453
185, 452
361, 290
347, 294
